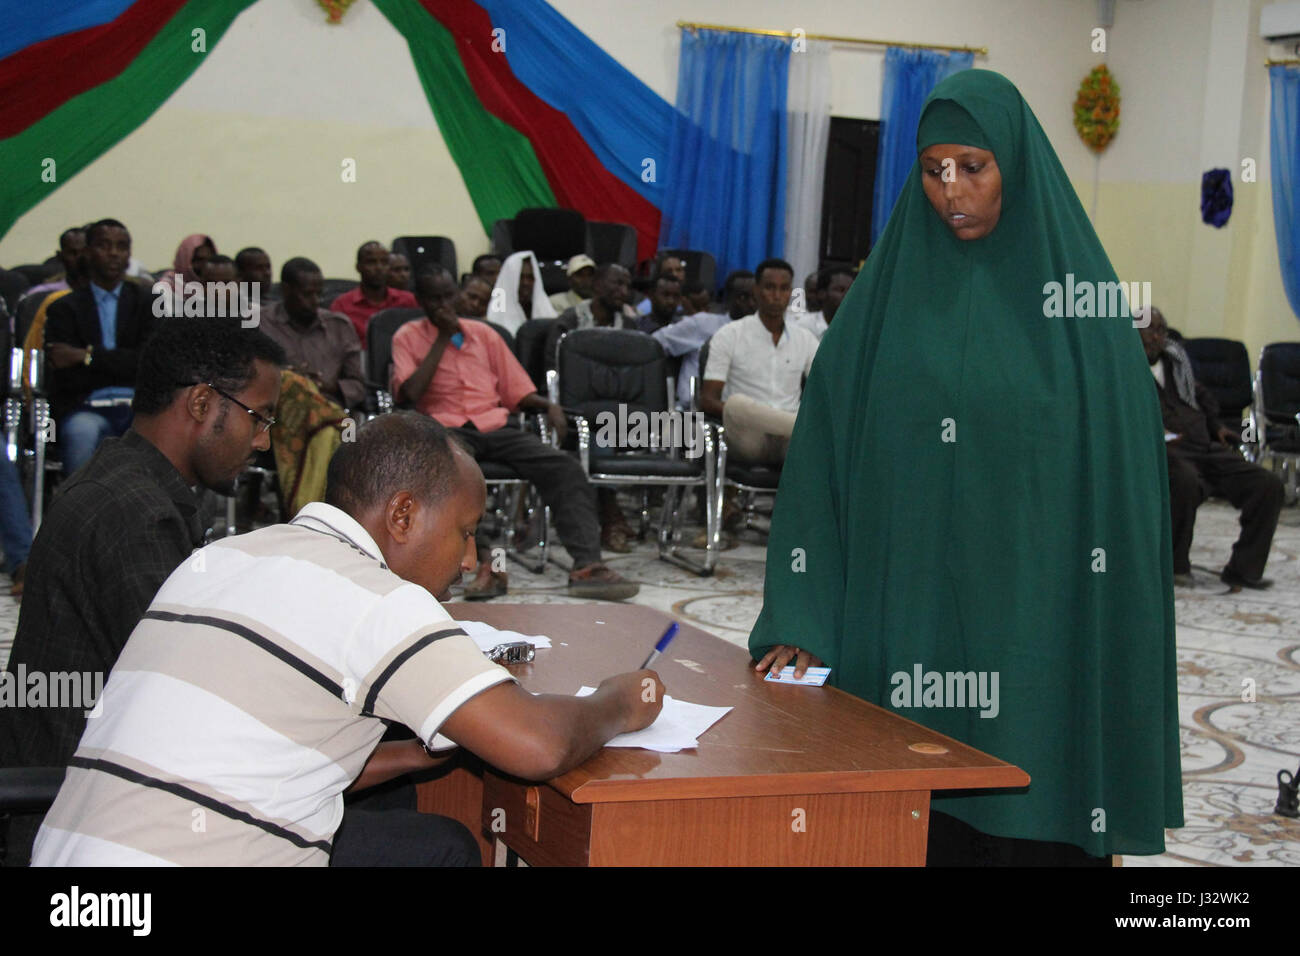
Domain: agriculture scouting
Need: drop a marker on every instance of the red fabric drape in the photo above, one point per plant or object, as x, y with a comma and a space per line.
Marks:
42, 77
578, 179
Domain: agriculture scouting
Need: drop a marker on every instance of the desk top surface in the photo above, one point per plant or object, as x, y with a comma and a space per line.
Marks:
779, 739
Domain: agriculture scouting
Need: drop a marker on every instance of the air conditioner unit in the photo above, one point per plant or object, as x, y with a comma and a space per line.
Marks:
1280, 21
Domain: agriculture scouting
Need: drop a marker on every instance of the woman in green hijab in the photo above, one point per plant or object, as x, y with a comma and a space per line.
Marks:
977, 485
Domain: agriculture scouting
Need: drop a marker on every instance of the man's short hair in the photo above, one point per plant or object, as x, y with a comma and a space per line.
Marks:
605, 268
479, 260
728, 284
189, 351
772, 264
369, 242
297, 267
471, 277
431, 273
220, 260
99, 225
66, 233
242, 256
400, 451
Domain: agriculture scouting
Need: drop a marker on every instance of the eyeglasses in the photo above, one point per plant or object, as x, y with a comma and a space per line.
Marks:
263, 422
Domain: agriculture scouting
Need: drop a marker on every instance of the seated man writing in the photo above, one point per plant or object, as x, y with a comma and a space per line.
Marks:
755, 371
462, 374
1203, 460
253, 692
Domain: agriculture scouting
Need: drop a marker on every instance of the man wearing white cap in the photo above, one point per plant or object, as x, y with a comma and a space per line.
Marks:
582, 272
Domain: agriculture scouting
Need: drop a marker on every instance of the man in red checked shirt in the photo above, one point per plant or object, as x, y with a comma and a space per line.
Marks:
463, 374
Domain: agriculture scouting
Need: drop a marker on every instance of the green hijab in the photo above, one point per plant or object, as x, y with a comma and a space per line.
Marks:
973, 486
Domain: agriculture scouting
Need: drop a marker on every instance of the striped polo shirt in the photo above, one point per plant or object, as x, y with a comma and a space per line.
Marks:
250, 696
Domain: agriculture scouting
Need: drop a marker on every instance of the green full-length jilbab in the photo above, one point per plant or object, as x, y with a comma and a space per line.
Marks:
976, 486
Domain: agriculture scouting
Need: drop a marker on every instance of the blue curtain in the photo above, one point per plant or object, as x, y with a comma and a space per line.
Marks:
724, 186
1284, 154
910, 75
623, 120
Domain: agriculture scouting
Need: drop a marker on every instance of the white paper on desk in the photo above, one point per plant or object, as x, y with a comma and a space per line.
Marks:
676, 728
487, 637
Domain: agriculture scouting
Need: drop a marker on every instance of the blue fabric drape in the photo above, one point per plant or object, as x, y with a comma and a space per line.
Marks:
910, 75
724, 187
1284, 155
23, 22
623, 120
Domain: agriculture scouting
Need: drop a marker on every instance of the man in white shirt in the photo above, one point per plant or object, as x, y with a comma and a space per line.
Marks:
255, 689
756, 368
685, 336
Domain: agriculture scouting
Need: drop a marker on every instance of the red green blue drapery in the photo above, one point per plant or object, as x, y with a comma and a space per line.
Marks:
532, 111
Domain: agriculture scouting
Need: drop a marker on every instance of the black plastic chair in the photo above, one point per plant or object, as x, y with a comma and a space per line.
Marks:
12, 285
1223, 367
379, 354
530, 349
331, 289
700, 266
25, 790
1277, 409
427, 250
612, 242
608, 375
554, 235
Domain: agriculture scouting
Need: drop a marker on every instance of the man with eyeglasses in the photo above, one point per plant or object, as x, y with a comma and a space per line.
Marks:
203, 403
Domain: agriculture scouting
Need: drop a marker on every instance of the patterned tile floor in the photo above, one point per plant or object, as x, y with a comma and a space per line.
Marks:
1232, 750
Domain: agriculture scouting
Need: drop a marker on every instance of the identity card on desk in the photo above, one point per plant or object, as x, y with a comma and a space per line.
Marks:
676, 728
813, 676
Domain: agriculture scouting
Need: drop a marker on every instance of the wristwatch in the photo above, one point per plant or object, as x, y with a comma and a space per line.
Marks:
89, 350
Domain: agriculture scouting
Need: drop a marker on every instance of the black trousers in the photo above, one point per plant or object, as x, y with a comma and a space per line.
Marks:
381, 827
558, 476
1195, 474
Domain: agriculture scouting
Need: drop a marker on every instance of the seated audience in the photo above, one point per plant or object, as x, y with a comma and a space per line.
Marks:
191, 256
696, 297
203, 399
606, 309
685, 336
475, 292
756, 366
92, 342
399, 272
582, 272
220, 269
71, 243
76, 276
463, 374
254, 265
665, 302
516, 303
665, 265
833, 284
1203, 461
355, 584
321, 345
487, 266
374, 294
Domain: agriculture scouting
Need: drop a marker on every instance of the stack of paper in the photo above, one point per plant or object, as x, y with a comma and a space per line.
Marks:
676, 728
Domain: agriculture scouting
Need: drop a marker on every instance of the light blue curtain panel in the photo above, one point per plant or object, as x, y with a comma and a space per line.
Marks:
1284, 154
910, 75
724, 186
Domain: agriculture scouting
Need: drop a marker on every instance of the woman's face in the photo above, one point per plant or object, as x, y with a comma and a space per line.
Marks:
964, 186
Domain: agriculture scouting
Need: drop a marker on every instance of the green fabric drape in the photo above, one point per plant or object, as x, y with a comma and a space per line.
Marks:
87, 126
500, 169
1035, 543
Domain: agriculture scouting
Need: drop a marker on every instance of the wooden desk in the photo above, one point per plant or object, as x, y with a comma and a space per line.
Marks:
793, 776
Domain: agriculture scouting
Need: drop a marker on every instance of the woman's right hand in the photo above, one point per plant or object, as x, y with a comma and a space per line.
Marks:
778, 657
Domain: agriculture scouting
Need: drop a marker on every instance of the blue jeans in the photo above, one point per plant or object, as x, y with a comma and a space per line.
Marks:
80, 433
15, 526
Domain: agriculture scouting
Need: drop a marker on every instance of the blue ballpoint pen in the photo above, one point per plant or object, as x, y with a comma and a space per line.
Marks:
662, 645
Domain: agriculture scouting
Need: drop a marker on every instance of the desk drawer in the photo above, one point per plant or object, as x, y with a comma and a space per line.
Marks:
539, 824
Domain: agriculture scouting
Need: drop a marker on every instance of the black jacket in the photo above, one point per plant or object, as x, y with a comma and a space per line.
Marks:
74, 320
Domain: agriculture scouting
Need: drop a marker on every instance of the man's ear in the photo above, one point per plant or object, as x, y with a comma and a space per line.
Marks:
400, 516
199, 403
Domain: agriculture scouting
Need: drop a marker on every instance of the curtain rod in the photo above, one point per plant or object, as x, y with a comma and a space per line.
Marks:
1289, 61
977, 50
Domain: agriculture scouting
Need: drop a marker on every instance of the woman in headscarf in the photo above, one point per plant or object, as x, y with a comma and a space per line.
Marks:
518, 302
974, 487
193, 251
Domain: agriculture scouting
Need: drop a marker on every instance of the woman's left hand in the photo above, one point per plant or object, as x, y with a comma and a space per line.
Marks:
778, 657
